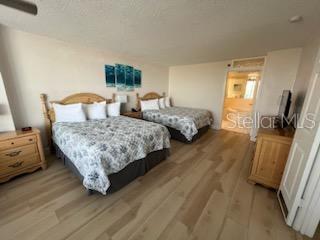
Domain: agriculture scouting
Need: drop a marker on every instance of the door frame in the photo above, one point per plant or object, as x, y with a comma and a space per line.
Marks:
308, 218
305, 190
308, 215
253, 131
305, 218
300, 201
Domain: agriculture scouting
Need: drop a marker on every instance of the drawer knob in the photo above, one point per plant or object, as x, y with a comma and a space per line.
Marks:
15, 165
13, 154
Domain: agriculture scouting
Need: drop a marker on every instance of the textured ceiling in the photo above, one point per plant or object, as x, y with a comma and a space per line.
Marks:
173, 32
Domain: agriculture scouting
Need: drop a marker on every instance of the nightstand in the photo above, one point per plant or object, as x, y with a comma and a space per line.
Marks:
133, 114
20, 152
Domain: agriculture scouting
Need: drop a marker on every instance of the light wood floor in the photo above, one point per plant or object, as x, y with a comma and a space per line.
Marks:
200, 192
229, 126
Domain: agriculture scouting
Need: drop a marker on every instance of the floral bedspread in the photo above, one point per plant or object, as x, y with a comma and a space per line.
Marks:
99, 148
186, 120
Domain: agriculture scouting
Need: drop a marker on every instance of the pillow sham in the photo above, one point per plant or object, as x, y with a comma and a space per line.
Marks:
69, 113
167, 102
162, 104
149, 105
96, 111
113, 109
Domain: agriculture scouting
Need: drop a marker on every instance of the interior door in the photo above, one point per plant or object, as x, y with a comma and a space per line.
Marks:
303, 150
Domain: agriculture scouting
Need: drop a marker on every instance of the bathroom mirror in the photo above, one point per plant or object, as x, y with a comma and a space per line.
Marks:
242, 85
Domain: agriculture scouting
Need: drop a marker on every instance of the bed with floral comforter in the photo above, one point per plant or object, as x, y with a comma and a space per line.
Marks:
99, 148
186, 120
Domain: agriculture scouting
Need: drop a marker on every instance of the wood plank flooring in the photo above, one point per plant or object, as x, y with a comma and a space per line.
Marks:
200, 192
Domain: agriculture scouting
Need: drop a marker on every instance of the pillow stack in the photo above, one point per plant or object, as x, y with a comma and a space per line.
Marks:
69, 113
81, 112
95, 111
150, 105
167, 102
155, 104
113, 109
162, 103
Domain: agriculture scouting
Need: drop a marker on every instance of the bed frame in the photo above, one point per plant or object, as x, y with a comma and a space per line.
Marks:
175, 134
122, 178
117, 180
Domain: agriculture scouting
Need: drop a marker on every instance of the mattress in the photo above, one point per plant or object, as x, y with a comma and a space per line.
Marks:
186, 120
98, 148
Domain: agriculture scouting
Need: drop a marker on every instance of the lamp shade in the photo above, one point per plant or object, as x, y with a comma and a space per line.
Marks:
122, 98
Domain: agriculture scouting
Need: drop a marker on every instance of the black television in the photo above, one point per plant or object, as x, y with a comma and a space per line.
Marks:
284, 108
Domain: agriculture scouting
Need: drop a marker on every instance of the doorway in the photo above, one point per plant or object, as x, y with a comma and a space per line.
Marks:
240, 95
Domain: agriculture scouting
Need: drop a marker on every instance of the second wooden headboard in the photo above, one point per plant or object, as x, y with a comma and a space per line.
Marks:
148, 96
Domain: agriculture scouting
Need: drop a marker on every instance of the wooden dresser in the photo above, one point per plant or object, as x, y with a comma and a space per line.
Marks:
20, 152
270, 157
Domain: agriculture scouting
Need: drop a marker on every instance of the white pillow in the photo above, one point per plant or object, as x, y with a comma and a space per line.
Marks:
149, 105
69, 113
113, 109
103, 102
162, 104
96, 111
167, 101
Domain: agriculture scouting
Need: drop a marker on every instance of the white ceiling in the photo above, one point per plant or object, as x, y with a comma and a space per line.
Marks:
173, 32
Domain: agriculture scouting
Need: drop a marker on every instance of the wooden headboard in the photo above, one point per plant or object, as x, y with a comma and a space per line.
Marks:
148, 96
48, 111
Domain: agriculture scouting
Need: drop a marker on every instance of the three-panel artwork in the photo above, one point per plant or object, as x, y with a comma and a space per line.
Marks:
123, 77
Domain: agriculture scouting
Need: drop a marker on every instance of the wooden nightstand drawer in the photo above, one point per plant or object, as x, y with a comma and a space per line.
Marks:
18, 152
16, 142
17, 164
137, 115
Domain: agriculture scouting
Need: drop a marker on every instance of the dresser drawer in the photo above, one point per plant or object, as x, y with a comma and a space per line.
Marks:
18, 152
17, 142
17, 164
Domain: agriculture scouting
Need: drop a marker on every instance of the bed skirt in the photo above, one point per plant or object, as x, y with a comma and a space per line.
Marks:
177, 135
125, 176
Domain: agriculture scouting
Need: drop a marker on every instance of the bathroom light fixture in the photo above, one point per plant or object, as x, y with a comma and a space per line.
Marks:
295, 19
253, 76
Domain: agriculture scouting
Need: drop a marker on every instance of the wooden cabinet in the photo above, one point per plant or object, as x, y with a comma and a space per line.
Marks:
270, 157
20, 152
133, 114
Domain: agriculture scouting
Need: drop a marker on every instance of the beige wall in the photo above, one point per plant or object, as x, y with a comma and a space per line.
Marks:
308, 57
280, 72
32, 64
6, 121
200, 86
